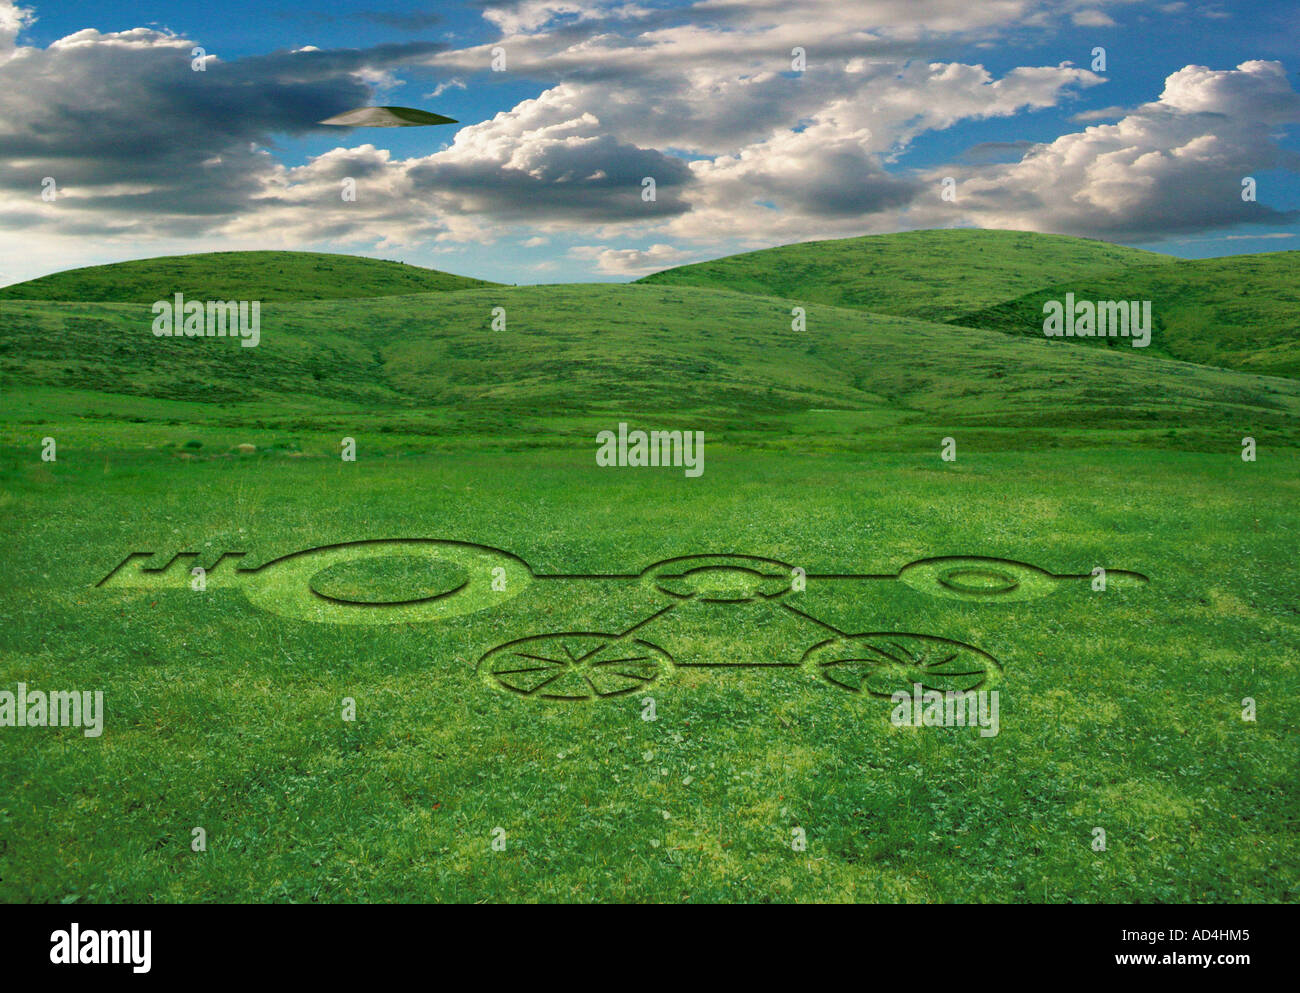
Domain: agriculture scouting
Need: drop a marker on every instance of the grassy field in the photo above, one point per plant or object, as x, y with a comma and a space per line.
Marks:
1120, 710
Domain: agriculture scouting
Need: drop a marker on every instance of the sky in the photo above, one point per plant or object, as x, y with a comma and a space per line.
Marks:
761, 123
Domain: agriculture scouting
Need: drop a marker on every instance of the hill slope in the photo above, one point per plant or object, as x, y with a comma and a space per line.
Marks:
1240, 312
264, 276
572, 356
932, 275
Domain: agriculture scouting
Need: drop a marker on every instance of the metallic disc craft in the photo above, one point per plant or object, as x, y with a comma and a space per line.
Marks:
387, 117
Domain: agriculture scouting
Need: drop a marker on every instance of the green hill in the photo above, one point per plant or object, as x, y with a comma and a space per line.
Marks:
264, 276
933, 275
574, 355
1240, 312
428, 364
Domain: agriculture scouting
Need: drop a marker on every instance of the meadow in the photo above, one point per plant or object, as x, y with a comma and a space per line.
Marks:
1120, 709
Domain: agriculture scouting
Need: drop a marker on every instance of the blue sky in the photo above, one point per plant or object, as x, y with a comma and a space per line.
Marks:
541, 180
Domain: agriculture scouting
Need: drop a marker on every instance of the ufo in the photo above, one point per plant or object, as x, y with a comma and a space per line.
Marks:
387, 117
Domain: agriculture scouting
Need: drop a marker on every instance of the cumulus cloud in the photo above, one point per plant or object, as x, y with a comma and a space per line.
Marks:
547, 164
142, 146
550, 159
138, 142
1171, 166
631, 262
12, 20
741, 148
828, 175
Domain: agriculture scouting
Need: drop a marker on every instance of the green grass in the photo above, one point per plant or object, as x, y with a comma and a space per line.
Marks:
932, 275
1241, 312
573, 359
1120, 710
261, 276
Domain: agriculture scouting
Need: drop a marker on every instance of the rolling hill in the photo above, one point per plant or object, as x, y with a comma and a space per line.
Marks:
932, 275
430, 366
348, 335
264, 276
1240, 312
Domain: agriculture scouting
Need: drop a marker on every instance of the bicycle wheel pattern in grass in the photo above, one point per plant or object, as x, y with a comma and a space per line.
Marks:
575, 666
884, 663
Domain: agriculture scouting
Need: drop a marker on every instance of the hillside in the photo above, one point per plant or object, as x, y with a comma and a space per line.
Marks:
265, 276
932, 275
1240, 312
431, 366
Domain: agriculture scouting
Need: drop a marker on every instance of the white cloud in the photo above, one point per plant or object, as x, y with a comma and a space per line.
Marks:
1174, 165
829, 176
631, 262
12, 20
441, 88
1092, 19
533, 15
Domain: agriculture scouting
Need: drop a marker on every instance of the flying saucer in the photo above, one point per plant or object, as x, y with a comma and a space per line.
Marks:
387, 117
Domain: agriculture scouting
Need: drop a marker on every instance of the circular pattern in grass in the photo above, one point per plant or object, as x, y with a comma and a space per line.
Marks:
390, 580
982, 579
287, 585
